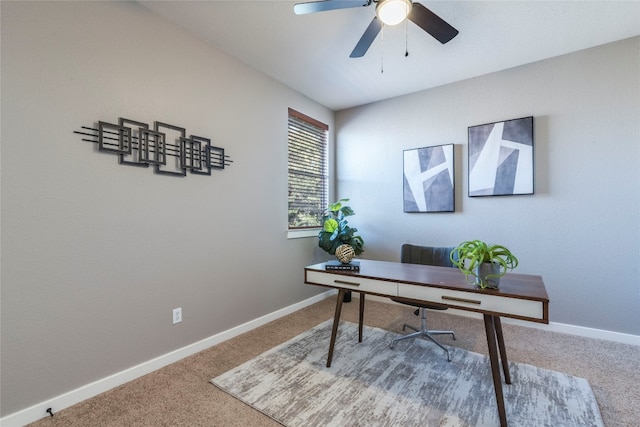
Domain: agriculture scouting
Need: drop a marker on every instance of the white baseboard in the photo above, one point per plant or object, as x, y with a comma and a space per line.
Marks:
68, 399
580, 331
58, 403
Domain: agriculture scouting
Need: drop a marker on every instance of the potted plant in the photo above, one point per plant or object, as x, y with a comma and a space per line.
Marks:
336, 232
486, 262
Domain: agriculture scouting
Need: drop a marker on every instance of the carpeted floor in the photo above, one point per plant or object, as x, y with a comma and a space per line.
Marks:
181, 395
371, 385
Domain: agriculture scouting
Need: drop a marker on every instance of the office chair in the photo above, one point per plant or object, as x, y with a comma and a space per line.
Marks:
430, 256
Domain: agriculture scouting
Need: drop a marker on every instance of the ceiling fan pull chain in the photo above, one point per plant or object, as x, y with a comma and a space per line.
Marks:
406, 38
382, 50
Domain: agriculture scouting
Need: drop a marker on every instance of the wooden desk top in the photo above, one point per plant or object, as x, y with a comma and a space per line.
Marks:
518, 286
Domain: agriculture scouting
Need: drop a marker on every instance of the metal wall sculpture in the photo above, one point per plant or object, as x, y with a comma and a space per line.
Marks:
166, 147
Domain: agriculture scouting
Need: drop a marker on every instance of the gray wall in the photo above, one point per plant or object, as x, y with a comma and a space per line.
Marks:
581, 229
95, 255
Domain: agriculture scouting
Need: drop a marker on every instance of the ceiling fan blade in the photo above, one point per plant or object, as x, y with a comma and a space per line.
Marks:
432, 23
321, 6
367, 38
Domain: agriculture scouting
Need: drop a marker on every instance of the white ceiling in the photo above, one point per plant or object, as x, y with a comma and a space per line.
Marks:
310, 53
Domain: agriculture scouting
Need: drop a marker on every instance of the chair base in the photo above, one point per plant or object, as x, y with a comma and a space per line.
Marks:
426, 333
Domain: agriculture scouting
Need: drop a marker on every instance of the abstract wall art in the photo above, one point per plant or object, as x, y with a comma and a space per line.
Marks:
501, 158
429, 179
166, 147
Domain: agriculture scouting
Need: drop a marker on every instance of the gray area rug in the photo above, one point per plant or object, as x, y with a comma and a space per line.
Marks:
370, 384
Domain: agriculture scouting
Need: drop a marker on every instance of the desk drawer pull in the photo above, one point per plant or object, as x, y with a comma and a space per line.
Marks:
344, 282
470, 301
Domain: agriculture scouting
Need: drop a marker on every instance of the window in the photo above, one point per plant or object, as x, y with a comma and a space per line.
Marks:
308, 172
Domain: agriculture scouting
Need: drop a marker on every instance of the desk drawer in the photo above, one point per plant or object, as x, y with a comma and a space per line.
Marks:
353, 283
499, 305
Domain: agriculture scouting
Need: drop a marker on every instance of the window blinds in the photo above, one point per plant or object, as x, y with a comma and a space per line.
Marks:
307, 169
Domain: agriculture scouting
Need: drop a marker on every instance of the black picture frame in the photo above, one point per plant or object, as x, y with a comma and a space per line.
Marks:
429, 179
501, 158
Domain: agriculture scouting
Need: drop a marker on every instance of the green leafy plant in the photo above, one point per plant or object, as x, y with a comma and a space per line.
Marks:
469, 256
336, 231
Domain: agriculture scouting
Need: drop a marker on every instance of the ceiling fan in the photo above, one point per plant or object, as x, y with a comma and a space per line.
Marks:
388, 12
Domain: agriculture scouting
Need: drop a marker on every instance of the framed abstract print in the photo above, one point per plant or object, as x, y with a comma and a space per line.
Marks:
429, 179
501, 158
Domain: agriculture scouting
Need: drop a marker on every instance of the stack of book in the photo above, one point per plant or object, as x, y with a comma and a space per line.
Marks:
353, 266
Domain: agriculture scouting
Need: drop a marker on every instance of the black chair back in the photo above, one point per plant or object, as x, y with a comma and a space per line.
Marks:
428, 255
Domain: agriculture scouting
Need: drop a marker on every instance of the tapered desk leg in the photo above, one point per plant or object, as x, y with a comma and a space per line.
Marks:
361, 318
336, 321
489, 327
503, 350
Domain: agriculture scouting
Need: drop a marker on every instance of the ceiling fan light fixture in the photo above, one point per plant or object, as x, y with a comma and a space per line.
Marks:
392, 12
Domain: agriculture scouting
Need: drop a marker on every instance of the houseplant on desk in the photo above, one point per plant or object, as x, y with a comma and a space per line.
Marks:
486, 262
336, 237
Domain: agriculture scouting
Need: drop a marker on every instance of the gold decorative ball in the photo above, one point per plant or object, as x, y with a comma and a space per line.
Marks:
345, 253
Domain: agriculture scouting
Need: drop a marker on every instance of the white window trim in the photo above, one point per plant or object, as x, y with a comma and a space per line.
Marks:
298, 234
313, 232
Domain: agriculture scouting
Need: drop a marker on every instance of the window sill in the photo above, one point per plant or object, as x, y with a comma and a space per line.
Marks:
297, 234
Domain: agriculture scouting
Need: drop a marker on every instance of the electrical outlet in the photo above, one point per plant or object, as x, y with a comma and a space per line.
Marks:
177, 315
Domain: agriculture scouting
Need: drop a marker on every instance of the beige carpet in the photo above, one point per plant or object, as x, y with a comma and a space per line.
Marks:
181, 395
